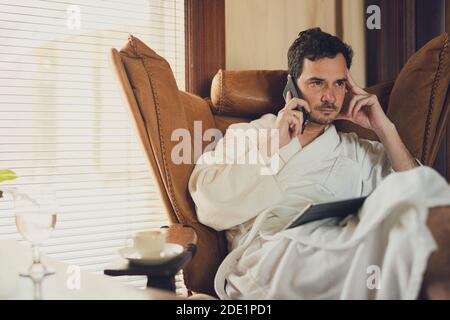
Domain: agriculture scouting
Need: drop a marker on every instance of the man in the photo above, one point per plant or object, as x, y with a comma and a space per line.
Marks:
382, 253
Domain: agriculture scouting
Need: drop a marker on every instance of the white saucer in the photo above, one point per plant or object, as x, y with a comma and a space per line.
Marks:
171, 250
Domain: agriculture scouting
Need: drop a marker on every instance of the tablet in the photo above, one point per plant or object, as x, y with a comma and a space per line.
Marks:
317, 211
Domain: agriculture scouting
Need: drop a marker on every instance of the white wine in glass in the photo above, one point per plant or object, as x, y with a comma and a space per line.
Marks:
35, 214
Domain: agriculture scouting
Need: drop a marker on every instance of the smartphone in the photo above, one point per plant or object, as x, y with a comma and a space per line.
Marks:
290, 86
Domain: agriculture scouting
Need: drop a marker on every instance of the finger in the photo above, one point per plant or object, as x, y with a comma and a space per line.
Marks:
288, 96
295, 117
294, 124
361, 103
354, 88
298, 115
352, 104
297, 122
352, 85
297, 129
297, 102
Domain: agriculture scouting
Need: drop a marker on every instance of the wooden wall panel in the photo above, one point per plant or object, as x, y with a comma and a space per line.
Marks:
205, 43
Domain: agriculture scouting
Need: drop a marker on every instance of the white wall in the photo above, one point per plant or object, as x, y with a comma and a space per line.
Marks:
259, 32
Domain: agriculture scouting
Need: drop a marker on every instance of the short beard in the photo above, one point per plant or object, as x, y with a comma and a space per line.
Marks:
323, 121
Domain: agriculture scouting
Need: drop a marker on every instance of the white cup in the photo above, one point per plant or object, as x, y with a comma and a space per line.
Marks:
149, 244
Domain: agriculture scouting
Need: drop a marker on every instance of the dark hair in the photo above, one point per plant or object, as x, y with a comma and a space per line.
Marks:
315, 44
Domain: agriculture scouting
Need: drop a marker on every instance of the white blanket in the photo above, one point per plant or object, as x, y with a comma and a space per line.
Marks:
383, 256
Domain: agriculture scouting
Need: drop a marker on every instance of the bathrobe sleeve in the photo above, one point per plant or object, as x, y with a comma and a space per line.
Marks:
372, 158
226, 192
375, 164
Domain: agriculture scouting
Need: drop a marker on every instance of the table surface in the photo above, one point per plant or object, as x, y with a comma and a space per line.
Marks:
16, 257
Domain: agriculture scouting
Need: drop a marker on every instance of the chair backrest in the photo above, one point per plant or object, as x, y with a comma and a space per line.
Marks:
158, 109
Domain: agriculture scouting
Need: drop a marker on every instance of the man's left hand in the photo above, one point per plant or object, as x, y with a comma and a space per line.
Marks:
364, 108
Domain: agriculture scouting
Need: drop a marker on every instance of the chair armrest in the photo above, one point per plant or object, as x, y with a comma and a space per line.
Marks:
436, 281
181, 234
439, 224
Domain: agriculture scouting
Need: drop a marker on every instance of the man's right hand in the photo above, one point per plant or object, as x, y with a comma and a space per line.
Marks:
289, 120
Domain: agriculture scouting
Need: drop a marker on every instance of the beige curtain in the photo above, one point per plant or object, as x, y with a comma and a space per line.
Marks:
259, 32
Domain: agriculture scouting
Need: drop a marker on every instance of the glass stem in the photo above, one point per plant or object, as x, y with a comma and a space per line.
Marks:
37, 290
36, 254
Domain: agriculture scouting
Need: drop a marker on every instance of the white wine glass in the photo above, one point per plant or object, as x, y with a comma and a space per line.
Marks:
35, 214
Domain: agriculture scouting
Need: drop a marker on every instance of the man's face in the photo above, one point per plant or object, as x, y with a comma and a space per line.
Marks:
322, 85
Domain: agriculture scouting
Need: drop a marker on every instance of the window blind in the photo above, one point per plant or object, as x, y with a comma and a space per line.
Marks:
63, 122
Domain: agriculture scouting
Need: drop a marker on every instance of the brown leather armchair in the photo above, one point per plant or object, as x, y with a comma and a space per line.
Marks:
157, 108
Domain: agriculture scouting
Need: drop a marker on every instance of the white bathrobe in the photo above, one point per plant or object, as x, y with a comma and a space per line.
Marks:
380, 254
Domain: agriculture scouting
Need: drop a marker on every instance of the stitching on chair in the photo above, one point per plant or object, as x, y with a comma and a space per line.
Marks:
221, 101
158, 117
436, 83
224, 101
